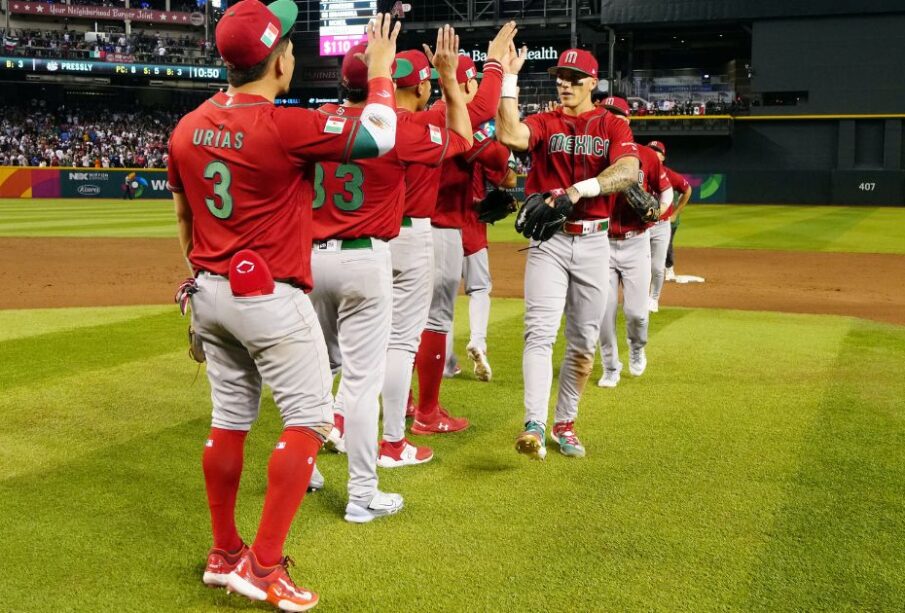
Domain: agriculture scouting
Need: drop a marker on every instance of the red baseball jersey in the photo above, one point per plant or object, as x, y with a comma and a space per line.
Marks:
456, 181
422, 184
566, 149
474, 232
652, 179
679, 186
241, 162
367, 197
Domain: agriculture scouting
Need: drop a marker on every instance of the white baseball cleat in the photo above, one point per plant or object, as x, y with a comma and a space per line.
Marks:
336, 440
381, 505
670, 274
637, 362
610, 378
653, 305
317, 480
482, 370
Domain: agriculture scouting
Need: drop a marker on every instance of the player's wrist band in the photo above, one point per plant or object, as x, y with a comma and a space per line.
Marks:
589, 188
376, 85
510, 86
493, 65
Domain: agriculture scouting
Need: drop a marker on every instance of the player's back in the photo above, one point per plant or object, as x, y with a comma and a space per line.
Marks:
245, 190
360, 198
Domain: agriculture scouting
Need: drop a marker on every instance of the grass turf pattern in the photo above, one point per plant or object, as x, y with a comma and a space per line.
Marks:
798, 228
757, 465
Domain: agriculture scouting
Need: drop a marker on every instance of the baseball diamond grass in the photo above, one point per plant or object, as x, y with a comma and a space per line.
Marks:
799, 228
757, 465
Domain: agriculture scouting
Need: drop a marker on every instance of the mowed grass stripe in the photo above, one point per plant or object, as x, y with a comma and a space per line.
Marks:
837, 543
32, 360
21, 323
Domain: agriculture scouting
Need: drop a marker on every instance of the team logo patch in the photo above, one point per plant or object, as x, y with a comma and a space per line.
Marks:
436, 135
423, 74
480, 136
470, 73
270, 35
334, 125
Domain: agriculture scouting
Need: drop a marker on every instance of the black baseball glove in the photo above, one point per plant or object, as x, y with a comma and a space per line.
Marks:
644, 204
495, 206
539, 220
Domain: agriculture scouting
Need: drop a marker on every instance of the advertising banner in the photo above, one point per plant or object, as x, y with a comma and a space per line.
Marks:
110, 183
114, 13
707, 188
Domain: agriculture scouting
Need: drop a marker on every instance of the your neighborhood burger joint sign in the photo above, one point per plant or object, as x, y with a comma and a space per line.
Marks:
112, 13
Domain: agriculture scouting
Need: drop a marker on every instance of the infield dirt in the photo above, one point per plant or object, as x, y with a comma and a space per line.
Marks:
65, 272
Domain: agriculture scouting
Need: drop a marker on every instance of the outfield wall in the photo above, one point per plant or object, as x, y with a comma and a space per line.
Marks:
30, 182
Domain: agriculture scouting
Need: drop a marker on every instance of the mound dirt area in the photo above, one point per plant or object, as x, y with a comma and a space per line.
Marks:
64, 272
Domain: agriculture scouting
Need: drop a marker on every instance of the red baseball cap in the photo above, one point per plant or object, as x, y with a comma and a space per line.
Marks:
411, 68
465, 71
354, 71
249, 30
616, 105
578, 60
657, 146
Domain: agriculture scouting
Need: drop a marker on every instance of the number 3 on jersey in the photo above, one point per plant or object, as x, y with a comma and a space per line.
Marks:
352, 177
219, 173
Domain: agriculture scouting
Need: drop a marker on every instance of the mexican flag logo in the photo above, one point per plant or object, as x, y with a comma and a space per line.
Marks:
270, 35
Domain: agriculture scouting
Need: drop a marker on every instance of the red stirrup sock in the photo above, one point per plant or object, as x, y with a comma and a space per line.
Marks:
429, 363
288, 474
222, 465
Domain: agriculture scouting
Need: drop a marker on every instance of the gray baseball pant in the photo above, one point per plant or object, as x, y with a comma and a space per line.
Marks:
630, 265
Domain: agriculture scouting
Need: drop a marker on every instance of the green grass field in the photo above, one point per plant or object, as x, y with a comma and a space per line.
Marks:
757, 465
800, 228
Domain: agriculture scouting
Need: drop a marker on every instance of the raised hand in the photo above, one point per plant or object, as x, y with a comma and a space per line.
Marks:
514, 60
446, 57
499, 46
381, 45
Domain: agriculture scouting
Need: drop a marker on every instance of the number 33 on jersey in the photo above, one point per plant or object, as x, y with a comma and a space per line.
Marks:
366, 198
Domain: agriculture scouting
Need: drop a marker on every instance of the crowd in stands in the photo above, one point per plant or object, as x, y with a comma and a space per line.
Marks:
142, 47
687, 107
35, 134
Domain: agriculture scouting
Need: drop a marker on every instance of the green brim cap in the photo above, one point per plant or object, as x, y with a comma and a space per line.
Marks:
436, 75
403, 68
287, 11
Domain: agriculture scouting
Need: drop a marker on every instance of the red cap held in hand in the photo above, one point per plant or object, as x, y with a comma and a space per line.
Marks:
249, 275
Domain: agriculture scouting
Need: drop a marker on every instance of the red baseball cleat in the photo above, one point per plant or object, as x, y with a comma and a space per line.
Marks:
438, 422
402, 453
219, 564
270, 583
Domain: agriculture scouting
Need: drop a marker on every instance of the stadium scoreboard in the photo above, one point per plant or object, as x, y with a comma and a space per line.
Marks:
342, 24
175, 72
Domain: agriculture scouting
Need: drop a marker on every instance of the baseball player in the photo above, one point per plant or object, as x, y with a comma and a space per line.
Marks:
592, 156
453, 200
476, 270
630, 263
663, 233
412, 251
236, 170
358, 208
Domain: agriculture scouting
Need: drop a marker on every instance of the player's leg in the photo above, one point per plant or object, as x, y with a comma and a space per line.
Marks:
430, 417
451, 368
585, 305
325, 300
546, 285
636, 271
413, 273
609, 346
365, 314
478, 287
235, 395
670, 274
281, 332
659, 244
